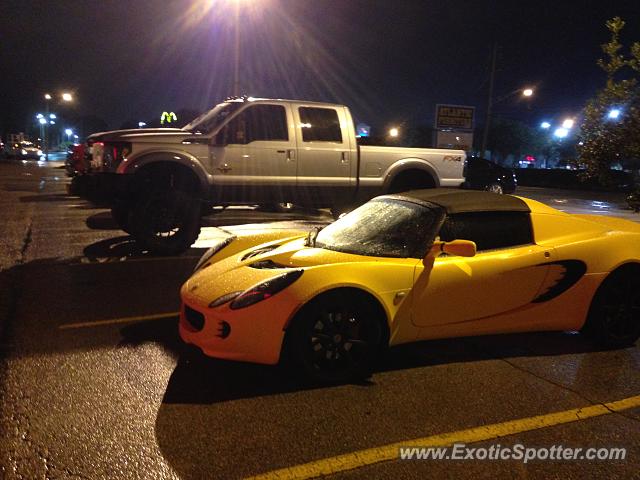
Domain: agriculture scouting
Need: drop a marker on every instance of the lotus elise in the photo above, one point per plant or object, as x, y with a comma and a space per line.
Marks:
418, 265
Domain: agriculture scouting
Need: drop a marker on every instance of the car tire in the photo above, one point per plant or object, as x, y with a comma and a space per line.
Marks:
166, 223
613, 320
495, 188
335, 338
121, 214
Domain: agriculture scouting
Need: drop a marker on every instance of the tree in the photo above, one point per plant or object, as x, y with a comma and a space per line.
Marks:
608, 139
511, 137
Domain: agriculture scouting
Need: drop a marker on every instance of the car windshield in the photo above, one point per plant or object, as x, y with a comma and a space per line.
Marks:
385, 227
208, 122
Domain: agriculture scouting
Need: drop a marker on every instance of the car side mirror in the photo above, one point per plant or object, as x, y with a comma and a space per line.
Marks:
461, 248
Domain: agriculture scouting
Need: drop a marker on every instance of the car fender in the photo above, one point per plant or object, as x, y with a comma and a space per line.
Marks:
134, 163
409, 164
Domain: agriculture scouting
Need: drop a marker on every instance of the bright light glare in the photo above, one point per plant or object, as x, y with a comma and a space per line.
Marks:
568, 123
67, 97
394, 132
561, 132
39, 115
68, 131
52, 116
614, 113
527, 92
142, 124
43, 120
47, 96
545, 125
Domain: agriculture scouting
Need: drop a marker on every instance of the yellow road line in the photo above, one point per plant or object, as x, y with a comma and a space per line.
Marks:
371, 456
115, 321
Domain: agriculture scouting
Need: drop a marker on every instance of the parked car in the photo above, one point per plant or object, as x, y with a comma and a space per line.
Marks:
481, 174
252, 151
24, 149
414, 266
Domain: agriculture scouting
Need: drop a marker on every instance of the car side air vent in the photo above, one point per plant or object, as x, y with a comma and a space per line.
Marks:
259, 251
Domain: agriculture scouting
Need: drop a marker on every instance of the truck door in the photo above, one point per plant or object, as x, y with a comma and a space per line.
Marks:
326, 158
257, 159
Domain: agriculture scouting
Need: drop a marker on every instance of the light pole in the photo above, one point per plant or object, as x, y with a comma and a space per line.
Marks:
65, 97
236, 66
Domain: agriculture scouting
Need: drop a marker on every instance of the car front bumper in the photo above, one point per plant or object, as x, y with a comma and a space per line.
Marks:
253, 334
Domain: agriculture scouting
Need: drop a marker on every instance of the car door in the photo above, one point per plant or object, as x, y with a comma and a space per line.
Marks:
326, 158
257, 157
507, 272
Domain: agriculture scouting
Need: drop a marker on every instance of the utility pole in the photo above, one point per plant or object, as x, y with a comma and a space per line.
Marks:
487, 121
236, 66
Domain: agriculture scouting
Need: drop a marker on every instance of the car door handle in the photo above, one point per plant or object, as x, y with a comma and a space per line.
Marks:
344, 157
291, 155
224, 168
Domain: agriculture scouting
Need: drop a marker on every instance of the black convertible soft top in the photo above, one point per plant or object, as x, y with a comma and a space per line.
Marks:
459, 201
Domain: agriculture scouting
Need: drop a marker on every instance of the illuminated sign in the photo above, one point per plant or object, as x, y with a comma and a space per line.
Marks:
363, 130
457, 117
168, 117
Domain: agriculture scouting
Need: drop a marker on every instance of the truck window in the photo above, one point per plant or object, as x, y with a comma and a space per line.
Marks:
320, 125
259, 123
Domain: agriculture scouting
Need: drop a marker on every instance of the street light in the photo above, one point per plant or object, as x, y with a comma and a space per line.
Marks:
67, 97
545, 125
527, 92
68, 132
394, 132
142, 124
561, 132
568, 123
614, 114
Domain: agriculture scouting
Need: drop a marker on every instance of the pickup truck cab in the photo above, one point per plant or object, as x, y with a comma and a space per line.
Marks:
248, 151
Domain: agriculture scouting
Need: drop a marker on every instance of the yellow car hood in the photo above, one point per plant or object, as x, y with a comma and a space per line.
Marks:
234, 273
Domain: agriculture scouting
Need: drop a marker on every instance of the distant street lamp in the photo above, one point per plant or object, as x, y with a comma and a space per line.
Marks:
68, 132
65, 97
561, 132
568, 123
527, 92
142, 124
545, 125
614, 114
394, 132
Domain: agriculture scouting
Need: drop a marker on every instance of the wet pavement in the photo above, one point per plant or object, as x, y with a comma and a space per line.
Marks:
86, 392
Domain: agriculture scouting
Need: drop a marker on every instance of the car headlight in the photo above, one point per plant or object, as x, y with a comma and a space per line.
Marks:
212, 251
266, 289
23, 151
39, 153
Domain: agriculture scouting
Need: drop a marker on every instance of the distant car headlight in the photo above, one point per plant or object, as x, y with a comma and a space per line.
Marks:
266, 289
39, 153
23, 152
212, 251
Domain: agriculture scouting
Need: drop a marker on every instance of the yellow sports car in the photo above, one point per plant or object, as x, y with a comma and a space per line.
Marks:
418, 265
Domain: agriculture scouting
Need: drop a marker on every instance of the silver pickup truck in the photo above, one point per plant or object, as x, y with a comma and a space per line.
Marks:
251, 151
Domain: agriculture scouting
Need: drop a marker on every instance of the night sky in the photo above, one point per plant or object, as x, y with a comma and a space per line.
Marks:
391, 62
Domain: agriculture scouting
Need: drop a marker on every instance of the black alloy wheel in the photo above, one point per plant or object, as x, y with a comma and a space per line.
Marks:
614, 316
336, 338
166, 223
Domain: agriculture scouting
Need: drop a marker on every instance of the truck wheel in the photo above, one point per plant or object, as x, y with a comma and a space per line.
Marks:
166, 223
121, 212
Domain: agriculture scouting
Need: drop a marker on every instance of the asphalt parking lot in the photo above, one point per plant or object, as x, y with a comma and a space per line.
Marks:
95, 383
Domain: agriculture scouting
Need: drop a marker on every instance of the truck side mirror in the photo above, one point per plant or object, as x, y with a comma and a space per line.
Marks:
461, 248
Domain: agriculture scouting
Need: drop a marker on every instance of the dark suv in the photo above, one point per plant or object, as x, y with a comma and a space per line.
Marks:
481, 174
